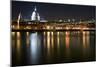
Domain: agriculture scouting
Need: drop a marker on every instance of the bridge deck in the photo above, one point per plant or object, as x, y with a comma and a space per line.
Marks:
53, 30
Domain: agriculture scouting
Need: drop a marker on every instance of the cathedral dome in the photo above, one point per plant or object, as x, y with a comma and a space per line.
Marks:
35, 15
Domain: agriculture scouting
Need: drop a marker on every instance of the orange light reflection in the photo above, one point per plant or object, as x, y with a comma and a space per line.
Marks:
67, 39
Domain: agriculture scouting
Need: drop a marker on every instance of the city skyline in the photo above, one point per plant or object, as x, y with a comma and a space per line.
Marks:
50, 11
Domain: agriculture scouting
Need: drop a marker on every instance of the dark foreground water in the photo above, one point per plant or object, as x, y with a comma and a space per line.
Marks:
32, 48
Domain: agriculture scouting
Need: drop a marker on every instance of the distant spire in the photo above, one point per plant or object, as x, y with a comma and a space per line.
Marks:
18, 20
35, 9
19, 17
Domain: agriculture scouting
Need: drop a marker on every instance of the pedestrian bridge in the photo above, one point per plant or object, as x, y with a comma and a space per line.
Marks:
53, 27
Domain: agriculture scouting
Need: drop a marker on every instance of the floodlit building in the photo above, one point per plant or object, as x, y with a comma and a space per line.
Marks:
35, 15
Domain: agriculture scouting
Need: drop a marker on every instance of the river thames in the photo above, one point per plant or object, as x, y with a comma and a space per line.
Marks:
50, 47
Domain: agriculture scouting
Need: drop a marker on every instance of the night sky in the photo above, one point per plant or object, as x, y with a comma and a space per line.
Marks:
52, 11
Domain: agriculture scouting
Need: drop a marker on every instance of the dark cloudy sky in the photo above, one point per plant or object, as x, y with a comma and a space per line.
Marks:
53, 11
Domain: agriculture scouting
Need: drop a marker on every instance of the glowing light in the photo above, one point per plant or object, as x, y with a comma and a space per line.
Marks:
18, 34
48, 27
60, 20
33, 41
69, 20
33, 44
48, 39
67, 27
44, 39
34, 48
13, 38
28, 27
43, 21
67, 39
85, 39
27, 38
84, 45
48, 44
18, 45
44, 33
52, 39
13, 33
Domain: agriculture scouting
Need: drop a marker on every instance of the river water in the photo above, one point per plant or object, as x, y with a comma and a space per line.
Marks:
50, 47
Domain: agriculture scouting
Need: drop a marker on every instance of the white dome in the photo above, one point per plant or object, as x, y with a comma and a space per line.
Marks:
35, 15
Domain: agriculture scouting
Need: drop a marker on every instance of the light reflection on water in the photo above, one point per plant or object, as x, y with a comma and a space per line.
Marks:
52, 47
18, 41
58, 40
86, 44
44, 39
86, 39
34, 47
52, 39
27, 38
67, 39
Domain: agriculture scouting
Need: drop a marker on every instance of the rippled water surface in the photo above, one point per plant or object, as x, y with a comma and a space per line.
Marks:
48, 47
